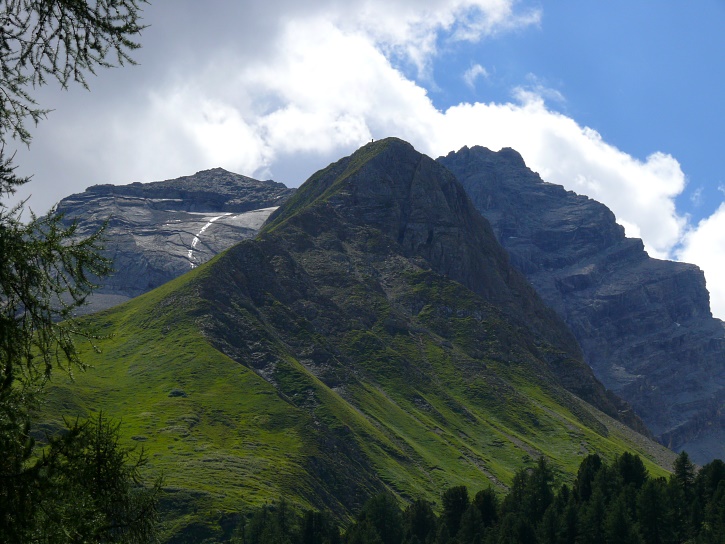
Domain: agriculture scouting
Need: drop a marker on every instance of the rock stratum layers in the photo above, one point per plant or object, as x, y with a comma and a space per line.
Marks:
644, 324
157, 231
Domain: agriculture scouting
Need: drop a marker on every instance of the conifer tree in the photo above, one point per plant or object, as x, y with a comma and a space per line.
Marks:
46, 273
380, 521
419, 523
455, 503
588, 469
652, 512
61, 40
618, 525
487, 503
591, 519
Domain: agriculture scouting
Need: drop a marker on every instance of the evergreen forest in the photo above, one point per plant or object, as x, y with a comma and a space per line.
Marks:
608, 503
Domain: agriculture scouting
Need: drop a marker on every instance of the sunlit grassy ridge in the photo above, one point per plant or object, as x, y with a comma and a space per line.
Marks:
211, 426
319, 364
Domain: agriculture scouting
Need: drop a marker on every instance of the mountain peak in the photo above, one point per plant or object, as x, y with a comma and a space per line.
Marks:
512, 156
210, 190
644, 325
413, 200
217, 170
389, 188
372, 338
341, 179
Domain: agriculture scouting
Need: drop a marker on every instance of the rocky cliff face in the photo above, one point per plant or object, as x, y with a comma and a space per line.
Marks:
157, 231
644, 324
418, 204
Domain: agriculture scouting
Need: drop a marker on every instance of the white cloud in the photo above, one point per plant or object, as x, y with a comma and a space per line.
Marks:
473, 73
639, 193
237, 84
536, 89
324, 91
412, 28
705, 246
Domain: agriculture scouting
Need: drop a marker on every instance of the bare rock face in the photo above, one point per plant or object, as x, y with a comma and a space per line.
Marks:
644, 324
417, 204
157, 231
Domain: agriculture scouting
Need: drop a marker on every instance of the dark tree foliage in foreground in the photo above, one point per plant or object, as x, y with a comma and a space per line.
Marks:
60, 40
278, 524
81, 486
85, 487
616, 503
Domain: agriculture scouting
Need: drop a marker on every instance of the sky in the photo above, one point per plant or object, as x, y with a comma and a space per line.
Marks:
622, 101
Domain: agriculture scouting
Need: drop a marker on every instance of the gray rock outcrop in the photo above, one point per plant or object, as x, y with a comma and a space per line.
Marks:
644, 324
157, 231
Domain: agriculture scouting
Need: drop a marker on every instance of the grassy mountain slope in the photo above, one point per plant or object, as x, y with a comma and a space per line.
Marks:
372, 337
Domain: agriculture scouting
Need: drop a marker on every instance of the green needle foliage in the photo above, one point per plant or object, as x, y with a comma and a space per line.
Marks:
45, 274
83, 486
62, 40
88, 489
618, 509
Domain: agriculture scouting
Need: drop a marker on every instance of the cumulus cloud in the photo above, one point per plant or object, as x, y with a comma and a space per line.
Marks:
640, 193
411, 29
535, 89
240, 84
324, 91
705, 246
473, 73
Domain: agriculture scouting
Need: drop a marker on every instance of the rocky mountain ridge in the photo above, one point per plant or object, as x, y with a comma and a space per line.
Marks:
157, 231
644, 324
372, 337
421, 206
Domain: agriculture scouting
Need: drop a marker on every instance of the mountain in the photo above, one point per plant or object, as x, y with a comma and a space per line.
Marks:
644, 324
372, 337
157, 231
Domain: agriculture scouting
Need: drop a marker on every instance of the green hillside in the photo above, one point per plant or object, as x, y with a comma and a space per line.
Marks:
360, 343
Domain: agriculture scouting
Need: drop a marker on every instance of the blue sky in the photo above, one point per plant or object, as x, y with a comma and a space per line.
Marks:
621, 101
648, 76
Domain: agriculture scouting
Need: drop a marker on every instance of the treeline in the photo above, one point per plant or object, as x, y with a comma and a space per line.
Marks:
617, 503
